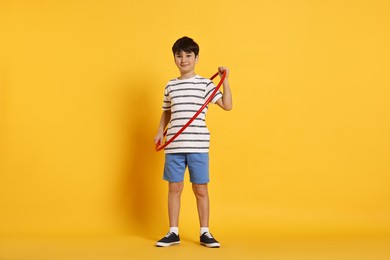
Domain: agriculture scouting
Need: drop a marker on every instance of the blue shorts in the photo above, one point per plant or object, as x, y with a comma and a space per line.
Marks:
176, 164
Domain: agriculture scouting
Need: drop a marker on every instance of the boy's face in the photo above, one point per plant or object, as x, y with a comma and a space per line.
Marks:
186, 61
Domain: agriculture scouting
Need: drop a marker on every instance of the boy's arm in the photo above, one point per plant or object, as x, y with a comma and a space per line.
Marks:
165, 117
226, 101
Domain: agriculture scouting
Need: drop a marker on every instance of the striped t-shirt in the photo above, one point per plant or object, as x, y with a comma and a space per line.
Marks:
184, 98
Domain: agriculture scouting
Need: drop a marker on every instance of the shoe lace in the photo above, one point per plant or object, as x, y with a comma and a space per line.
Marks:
207, 234
170, 234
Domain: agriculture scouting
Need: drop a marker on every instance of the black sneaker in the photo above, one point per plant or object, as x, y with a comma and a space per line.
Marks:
208, 240
170, 239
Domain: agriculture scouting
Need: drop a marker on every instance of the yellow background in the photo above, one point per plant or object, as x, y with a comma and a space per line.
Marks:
305, 151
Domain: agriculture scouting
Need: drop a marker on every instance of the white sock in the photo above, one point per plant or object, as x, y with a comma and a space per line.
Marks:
174, 230
204, 229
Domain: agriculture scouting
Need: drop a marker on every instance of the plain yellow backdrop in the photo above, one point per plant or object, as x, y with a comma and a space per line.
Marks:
305, 150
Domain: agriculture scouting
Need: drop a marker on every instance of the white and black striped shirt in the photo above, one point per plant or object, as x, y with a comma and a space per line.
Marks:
184, 98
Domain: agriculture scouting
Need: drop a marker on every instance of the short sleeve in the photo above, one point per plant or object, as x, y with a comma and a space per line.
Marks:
167, 100
210, 88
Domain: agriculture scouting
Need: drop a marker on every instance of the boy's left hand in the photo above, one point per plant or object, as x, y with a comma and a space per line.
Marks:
221, 69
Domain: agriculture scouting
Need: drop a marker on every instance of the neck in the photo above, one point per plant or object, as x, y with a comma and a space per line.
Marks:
187, 75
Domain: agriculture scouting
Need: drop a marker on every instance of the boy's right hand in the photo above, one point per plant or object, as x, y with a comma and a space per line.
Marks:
159, 138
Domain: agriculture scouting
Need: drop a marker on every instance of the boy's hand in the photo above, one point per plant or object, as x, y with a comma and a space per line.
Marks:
225, 102
159, 138
221, 70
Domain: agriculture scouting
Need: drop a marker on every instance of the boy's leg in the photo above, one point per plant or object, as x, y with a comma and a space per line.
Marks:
202, 200
203, 203
174, 195
199, 175
175, 165
198, 166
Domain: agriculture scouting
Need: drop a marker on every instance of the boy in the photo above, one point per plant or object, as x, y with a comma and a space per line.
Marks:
183, 97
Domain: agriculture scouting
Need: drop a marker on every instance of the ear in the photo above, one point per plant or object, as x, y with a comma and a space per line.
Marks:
197, 58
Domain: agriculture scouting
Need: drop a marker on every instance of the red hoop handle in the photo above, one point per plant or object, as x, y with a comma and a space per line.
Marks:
158, 147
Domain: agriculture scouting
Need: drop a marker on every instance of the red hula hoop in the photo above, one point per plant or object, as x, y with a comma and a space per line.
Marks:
158, 147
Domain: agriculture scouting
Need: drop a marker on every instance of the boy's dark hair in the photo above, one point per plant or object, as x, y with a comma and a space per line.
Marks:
185, 44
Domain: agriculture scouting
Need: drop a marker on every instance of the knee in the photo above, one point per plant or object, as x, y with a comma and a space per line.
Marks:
200, 190
175, 187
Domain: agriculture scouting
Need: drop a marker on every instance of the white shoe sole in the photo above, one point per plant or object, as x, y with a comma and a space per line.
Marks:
161, 244
212, 245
